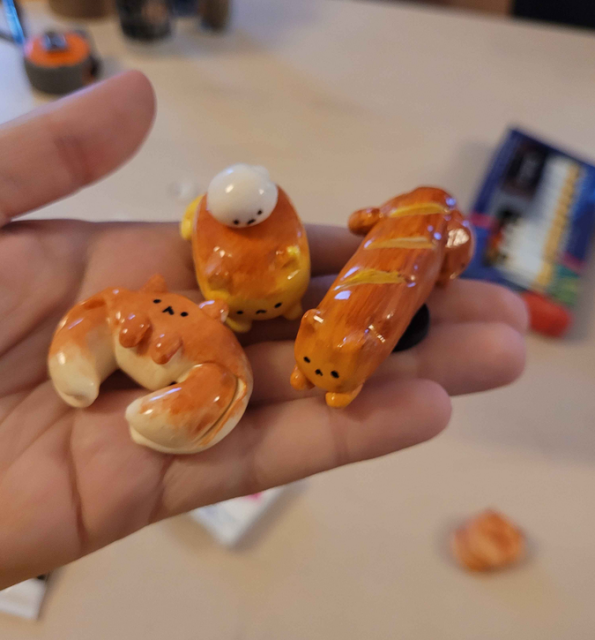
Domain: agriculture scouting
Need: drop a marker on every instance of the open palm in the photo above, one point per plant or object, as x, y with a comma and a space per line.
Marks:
72, 481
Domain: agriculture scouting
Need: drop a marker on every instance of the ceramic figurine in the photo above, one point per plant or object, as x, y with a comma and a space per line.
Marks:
199, 375
250, 247
487, 542
413, 242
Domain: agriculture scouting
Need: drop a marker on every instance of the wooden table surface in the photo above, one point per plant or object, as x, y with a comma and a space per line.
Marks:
347, 104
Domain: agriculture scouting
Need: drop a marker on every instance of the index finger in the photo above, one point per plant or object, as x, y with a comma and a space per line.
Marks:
54, 151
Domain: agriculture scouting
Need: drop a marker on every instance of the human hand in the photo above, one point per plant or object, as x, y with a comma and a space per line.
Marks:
72, 481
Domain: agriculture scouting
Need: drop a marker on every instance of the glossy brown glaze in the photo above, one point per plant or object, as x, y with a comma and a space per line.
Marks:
261, 272
413, 242
157, 338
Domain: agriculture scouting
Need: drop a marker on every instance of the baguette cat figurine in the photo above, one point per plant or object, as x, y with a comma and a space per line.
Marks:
250, 247
200, 377
413, 242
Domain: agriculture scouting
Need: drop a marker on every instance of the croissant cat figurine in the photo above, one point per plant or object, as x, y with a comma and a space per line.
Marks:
199, 375
250, 247
413, 242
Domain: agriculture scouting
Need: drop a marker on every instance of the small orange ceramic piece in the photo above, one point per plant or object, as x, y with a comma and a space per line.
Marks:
250, 247
413, 242
487, 542
181, 351
546, 316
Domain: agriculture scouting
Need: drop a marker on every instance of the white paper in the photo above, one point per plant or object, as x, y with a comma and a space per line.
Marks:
229, 521
24, 599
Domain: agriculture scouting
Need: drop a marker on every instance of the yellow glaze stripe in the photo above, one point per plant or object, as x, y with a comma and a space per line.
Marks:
372, 276
188, 219
418, 242
552, 244
421, 209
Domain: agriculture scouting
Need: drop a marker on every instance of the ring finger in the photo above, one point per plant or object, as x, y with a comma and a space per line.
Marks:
462, 358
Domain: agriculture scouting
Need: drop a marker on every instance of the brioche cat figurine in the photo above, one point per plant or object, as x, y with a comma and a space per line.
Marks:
200, 377
250, 247
413, 242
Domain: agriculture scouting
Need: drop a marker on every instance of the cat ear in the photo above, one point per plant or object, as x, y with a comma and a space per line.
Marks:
216, 309
363, 220
155, 284
311, 319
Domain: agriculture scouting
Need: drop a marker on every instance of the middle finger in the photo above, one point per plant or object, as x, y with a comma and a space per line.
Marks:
462, 358
460, 301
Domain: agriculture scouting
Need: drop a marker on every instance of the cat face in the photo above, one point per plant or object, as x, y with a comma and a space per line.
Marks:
332, 361
258, 309
153, 309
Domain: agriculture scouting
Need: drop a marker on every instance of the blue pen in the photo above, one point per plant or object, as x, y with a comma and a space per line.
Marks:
14, 22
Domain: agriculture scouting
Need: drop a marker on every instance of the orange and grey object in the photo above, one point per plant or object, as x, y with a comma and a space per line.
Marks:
55, 62
59, 63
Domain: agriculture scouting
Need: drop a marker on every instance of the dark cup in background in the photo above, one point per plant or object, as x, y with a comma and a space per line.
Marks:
82, 8
145, 19
185, 8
